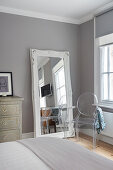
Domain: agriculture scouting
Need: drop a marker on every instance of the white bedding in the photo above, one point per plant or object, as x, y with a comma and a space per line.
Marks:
59, 154
14, 156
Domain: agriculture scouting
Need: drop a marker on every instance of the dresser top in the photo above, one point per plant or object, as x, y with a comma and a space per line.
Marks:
11, 98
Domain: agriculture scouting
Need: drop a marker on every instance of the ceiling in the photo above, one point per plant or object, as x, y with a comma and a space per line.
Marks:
70, 10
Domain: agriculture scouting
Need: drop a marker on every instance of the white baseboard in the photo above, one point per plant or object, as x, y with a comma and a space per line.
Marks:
101, 137
88, 132
28, 135
106, 139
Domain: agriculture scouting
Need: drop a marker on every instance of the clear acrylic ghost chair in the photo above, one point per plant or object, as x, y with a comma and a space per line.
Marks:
62, 116
86, 105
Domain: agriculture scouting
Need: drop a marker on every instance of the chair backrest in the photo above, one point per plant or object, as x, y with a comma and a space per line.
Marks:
45, 112
87, 104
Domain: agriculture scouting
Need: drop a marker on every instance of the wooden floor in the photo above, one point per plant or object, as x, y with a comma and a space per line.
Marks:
102, 148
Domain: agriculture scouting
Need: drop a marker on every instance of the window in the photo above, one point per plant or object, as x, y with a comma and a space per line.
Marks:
106, 54
59, 83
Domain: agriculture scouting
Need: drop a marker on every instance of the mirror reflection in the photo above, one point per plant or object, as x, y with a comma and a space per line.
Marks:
51, 73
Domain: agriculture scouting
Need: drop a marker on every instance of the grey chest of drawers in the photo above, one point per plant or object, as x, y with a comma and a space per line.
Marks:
10, 118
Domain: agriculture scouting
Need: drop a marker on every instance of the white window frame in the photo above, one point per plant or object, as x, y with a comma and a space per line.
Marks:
98, 42
58, 66
108, 72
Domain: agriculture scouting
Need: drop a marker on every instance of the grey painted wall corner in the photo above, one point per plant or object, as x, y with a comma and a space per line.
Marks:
17, 35
87, 56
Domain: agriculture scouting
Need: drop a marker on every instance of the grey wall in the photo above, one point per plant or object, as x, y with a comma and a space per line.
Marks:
104, 24
54, 61
40, 74
87, 57
17, 35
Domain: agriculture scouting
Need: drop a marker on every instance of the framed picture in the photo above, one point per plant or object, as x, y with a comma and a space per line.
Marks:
6, 84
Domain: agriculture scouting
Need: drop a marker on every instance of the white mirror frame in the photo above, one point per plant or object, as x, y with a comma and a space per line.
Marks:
34, 54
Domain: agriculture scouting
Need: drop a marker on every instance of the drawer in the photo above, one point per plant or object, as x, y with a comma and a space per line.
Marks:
9, 123
7, 136
9, 110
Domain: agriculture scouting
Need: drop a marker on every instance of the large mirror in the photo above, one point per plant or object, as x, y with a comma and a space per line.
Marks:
51, 73
52, 94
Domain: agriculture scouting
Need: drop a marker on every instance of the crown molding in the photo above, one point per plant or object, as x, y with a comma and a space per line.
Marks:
32, 14
86, 18
38, 15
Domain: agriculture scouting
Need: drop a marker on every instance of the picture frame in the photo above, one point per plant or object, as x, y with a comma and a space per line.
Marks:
6, 84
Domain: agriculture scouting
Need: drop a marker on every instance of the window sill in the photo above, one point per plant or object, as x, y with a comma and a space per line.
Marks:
106, 105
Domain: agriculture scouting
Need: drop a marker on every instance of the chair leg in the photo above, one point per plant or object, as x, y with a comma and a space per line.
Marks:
60, 122
55, 128
65, 135
77, 131
94, 137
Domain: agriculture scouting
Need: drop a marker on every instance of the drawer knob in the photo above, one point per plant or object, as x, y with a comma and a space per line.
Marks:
4, 109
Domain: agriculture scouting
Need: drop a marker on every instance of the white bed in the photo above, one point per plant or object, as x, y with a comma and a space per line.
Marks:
14, 156
50, 154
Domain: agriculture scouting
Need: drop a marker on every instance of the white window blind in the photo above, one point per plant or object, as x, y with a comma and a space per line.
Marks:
106, 54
